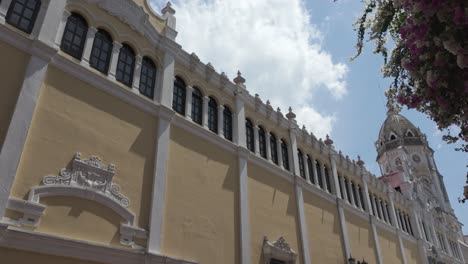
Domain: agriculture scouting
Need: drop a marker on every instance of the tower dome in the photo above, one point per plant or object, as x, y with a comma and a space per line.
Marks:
396, 131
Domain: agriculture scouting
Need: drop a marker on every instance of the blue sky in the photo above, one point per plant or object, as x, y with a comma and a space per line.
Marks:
296, 53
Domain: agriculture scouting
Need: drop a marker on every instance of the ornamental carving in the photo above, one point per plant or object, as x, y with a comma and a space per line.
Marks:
91, 173
279, 250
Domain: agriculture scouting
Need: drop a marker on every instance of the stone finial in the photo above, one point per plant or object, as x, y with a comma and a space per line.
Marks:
209, 65
328, 141
360, 162
168, 9
290, 115
239, 79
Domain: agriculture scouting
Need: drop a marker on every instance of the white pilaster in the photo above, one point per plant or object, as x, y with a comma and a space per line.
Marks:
345, 189
280, 153
166, 91
367, 201
244, 206
306, 167
188, 102
51, 15
239, 120
137, 74
3, 10
302, 224
402, 247
344, 230
314, 170
351, 193
376, 241
61, 28
206, 99
392, 209
324, 180
268, 146
334, 174
293, 159
88, 45
10, 153
256, 141
378, 202
221, 120
114, 59
358, 193
159, 181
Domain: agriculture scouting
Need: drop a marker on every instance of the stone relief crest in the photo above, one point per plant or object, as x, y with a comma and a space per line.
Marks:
279, 250
90, 173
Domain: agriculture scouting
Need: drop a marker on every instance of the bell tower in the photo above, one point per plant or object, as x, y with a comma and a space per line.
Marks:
407, 162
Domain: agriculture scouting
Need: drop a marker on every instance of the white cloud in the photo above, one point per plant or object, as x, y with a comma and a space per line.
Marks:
275, 46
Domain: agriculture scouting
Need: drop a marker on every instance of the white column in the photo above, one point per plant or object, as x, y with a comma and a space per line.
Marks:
280, 153
358, 193
61, 28
256, 141
188, 102
302, 224
239, 120
334, 174
3, 10
49, 19
137, 74
314, 170
268, 147
380, 209
306, 167
392, 209
244, 206
114, 59
384, 209
221, 120
159, 182
10, 153
351, 193
345, 189
206, 99
293, 158
402, 247
372, 198
324, 180
88, 48
447, 246
164, 94
367, 201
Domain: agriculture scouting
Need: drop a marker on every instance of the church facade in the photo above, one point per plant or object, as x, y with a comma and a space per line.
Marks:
117, 146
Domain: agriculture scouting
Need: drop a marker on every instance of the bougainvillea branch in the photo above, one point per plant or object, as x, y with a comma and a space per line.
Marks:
429, 57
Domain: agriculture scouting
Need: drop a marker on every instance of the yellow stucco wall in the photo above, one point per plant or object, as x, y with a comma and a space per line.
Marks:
389, 247
72, 116
13, 63
323, 230
360, 237
12, 256
273, 211
411, 251
201, 214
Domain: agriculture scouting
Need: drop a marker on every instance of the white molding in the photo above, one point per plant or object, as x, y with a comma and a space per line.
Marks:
278, 250
21, 239
344, 229
401, 246
13, 145
302, 224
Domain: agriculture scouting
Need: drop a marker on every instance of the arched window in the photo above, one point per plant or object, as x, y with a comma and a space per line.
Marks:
355, 194
284, 154
361, 196
310, 166
125, 65
227, 126
22, 14
327, 178
341, 186
147, 77
388, 213
74, 36
213, 115
249, 135
101, 52
374, 210
348, 191
300, 157
318, 168
409, 134
392, 137
178, 97
377, 204
273, 149
197, 106
262, 142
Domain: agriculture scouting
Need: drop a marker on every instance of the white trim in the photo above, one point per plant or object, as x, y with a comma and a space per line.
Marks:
302, 224
21, 239
159, 183
4, 5
13, 145
344, 229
